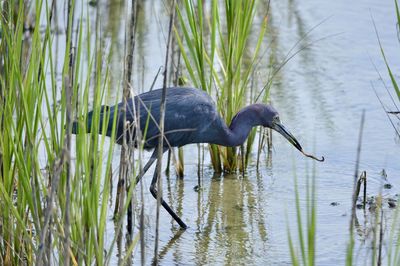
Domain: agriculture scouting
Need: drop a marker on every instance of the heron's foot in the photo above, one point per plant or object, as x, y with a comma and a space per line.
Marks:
169, 210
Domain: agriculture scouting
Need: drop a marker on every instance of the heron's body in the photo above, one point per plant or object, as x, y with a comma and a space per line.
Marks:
189, 113
190, 117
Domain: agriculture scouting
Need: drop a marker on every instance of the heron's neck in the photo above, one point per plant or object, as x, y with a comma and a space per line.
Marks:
241, 125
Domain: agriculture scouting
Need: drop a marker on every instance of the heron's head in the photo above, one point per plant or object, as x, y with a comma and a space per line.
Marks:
270, 118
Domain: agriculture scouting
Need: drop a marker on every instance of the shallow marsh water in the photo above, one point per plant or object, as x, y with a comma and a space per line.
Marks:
320, 93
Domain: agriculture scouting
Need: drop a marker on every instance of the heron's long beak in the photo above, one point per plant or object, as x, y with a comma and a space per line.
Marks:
277, 126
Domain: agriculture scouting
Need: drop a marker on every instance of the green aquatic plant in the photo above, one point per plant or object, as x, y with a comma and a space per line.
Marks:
393, 251
220, 52
54, 189
392, 114
306, 231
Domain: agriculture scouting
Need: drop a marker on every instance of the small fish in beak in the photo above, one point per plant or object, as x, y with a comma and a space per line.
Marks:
277, 126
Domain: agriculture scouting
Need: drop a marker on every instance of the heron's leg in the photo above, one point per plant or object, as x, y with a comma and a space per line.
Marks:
152, 159
163, 203
149, 163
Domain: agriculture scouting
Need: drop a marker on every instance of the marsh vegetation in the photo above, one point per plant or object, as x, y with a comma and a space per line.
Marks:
72, 198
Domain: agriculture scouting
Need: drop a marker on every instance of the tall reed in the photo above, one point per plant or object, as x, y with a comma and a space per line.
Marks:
393, 251
306, 231
392, 114
220, 58
53, 193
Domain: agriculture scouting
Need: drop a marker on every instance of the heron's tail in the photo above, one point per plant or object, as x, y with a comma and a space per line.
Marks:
79, 124
75, 127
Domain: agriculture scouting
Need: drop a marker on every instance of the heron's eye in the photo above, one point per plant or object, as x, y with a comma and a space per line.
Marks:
276, 119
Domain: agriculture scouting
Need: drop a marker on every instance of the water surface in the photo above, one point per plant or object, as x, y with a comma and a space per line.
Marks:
320, 93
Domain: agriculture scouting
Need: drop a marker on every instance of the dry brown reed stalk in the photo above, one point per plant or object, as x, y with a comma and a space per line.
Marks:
261, 141
124, 161
179, 164
353, 212
365, 189
242, 167
141, 218
167, 168
362, 180
380, 205
350, 246
160, 148
56, 172
131, 47
198, 165
141, 221
67, 243
69, 80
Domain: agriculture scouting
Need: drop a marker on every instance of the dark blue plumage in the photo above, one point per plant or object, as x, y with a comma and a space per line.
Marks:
190, 117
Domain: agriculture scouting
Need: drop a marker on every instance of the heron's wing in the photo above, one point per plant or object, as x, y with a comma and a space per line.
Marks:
188, 112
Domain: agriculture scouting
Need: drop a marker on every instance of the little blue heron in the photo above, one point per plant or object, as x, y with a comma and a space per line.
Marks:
190, 117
